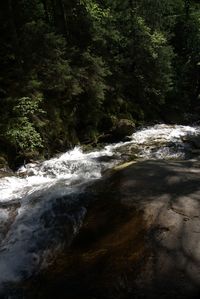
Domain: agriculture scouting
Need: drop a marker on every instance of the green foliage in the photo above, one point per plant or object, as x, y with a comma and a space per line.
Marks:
67, 65
186, 43
20, 131
26, 107
91, 77
22, 135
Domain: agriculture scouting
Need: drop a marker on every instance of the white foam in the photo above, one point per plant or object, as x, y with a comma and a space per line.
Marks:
76, 166
164, 133
43, 187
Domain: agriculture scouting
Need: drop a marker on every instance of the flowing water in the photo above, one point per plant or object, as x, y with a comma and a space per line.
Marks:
42, 207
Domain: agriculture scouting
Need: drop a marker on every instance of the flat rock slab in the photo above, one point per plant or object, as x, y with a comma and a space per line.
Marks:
168, 193
140, 238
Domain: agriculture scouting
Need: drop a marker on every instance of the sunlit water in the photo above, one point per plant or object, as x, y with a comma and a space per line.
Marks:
42, 198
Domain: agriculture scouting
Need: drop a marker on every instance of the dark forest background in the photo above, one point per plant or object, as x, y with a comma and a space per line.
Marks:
70, 69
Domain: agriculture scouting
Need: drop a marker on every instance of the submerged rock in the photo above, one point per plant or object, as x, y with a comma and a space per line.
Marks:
193, 140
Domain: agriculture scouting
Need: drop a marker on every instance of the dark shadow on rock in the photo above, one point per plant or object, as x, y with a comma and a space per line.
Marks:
140, 239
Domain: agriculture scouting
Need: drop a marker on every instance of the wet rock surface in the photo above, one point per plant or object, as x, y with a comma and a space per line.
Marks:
66, 233
6, 172
140, 238
193, 140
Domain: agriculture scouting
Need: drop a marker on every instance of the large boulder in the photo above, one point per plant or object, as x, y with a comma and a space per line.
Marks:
195, 141
140, 238
5, 172
122, 129
4, 168
194, 144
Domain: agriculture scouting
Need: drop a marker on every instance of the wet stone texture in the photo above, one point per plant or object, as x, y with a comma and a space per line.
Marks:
140, 238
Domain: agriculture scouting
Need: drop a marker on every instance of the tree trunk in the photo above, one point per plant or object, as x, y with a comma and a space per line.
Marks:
59, 16
54, 12
44, 2
63, 18
14, 35
187, 8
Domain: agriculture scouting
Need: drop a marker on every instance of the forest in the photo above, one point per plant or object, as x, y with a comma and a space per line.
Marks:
100, 149
70, 69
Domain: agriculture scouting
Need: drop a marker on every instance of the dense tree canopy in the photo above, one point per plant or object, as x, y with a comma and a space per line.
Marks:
69, 66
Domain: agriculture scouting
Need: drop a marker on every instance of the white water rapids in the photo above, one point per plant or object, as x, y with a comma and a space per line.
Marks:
38, 201
157, 142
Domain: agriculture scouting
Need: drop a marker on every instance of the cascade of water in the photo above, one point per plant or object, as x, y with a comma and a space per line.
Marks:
159, 142
33, 206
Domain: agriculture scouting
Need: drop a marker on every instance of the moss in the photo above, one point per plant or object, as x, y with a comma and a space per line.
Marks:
124, 165
3, 162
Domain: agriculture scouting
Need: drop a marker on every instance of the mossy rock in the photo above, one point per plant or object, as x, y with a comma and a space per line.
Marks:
123, 128
4, 168
107, 123
194, 141
3, 162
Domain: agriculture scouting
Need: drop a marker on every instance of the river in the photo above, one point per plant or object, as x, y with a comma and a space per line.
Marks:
42, 206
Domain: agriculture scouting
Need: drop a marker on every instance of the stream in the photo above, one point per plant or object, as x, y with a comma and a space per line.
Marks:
42, 206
